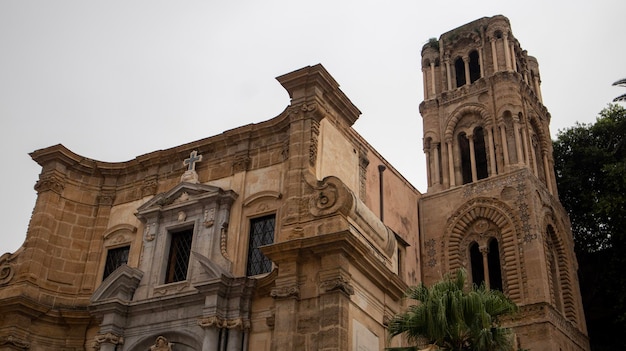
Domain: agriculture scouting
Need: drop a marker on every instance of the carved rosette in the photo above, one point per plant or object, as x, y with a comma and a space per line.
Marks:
108, 338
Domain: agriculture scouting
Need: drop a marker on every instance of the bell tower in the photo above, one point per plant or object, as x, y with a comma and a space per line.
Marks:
492, 205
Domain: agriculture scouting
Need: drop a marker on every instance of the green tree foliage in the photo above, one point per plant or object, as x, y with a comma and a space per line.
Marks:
455, 318
590, 165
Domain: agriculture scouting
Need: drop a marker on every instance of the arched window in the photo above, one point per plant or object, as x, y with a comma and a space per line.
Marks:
480, 153
459, 69
490, 256
476, 262
466, 167
493, 259
474, 66
553, 269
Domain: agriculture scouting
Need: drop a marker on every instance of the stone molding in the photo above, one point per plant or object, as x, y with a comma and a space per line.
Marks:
14, 342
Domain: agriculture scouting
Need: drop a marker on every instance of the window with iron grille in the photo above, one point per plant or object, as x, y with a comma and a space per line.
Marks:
261, 233
178, 260
115, 258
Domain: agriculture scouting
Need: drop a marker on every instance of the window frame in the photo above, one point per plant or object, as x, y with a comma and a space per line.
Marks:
252, 250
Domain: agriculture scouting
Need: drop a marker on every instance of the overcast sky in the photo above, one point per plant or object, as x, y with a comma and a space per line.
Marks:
112, 80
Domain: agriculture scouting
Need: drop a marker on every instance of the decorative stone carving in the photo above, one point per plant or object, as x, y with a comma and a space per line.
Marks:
108, 338
340, 283
51, 182
161, 344
106, 198
224, 241
182, 216
209, 217
285, 292
149, 187
6, 269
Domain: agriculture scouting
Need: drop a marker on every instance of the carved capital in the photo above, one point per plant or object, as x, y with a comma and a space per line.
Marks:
108, 338
51, 182
211, 322
285, 292
338, 284
106, 198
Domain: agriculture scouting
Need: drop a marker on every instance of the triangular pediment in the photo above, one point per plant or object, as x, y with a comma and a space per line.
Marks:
120, 285
182, 194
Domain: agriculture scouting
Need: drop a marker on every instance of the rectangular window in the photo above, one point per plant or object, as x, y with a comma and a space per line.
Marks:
178, 260
115, 258
261, 233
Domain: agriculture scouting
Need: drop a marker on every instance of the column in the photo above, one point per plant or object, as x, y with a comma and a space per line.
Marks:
425, 83
513, 57
518, 144
448, 74
432, 79
507, 53
537, 88
234, 339
211, 338
492, 152
428, 168
494, 54
481, 62
470, 137
467, 69
437, 174
546, 169
485, 252
527, 153
451, 163
505, 146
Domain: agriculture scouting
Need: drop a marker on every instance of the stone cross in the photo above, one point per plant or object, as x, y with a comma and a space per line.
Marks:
191, 161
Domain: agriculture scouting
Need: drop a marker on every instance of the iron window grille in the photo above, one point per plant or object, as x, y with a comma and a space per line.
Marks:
115, 258
178, 260
261, 233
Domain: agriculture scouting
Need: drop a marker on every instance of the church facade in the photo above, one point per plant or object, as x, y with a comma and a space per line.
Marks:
294, 233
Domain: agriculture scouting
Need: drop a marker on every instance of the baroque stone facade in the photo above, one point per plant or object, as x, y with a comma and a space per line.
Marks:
294, 233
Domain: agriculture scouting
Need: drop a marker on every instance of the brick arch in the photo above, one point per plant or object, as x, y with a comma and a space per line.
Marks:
502, 216
458, 114
553, 234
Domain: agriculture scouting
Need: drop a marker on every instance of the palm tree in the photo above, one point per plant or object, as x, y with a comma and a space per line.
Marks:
452, 318
622, 83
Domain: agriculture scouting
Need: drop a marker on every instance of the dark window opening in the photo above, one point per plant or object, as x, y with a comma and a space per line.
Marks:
466, 167
476, 262
178, 261
474, 66
115, 258
480, 153
261, 233
493, 259
459, 68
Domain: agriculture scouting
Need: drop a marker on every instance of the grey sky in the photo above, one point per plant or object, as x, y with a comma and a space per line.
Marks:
112, 80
